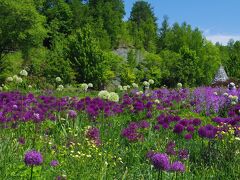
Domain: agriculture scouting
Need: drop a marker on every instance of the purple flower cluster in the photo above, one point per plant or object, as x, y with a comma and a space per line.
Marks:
132, 131
33, 158
93, 134
162, 162
209, 131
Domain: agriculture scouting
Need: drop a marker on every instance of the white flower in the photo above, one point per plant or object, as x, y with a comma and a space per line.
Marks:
128, 86
151, 81
233, 103
84, 87
125, 88
9, 79
235, 98
215, 93
23, 72
15, 77
113, 97
120, 87
58, 79
157, 101
139, 93
60, 88
179, 85
29, 86
145, 83
90, 85
232, 84
230, 96
19, 80
134, 85
103, 94
225, 94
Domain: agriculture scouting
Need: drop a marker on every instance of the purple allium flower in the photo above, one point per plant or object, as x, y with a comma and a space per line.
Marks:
94, 135
54, 163
208, 131
190, 128
144, 124
156, 127
161, 161
178, 128
170, 148
150, 154
33, 158
188, 136
72, 114
178, 166
197, 122
183, 154
21, 140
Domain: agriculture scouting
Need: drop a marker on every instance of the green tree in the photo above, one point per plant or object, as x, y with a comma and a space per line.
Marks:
143, 26
111, 13
86, 58
21, 27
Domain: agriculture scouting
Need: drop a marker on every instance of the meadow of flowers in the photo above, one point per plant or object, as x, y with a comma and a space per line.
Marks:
126, 134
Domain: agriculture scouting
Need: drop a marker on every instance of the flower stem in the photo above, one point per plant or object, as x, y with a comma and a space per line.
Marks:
31, 172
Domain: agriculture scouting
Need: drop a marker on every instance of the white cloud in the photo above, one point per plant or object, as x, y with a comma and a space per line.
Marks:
222, 39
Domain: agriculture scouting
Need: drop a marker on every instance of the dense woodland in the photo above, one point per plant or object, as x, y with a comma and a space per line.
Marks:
76, 39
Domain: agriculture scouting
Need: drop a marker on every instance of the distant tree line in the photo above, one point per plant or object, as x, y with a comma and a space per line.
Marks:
75, 39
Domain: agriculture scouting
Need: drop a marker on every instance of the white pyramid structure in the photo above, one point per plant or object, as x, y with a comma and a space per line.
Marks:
221, 75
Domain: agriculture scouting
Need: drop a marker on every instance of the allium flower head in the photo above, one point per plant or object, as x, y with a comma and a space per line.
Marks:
58, 79
125, 88
178, 128
23, 72
151, 81
72, 114
145, 83
54, 163
84, 87
178, 166
103, 94
19, 80
90, 85
113, 97
33, 158
120, 87
134, 85
9, 79
179, 85
161, 161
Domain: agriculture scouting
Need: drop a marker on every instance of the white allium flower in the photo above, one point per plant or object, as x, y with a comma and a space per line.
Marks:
19, 80
232, 84
128, 86
145, 83
84, 87
120, 87
113, 97
9, 79
58, 79
156, 101
225, 94
235, 98
151, 81
134, 85
103, 94
23, 72
29, 86
125, 88
139, 93
90, 85
215, 93
15, 77
60, 88
233, 103
179, 85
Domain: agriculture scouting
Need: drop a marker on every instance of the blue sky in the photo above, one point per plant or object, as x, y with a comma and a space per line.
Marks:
219, 20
